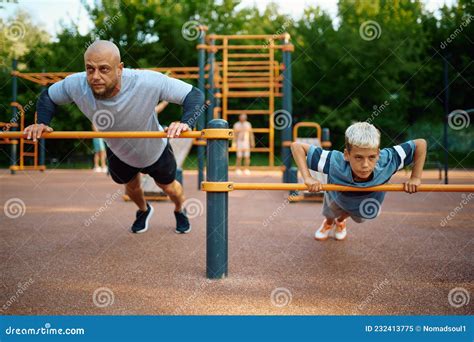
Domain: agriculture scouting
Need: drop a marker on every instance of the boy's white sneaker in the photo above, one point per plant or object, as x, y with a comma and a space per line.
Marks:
238, 172
247, 172
341, 231
323, 232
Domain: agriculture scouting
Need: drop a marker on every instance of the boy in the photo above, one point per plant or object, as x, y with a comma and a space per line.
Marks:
99, 153
243, 141
362, 164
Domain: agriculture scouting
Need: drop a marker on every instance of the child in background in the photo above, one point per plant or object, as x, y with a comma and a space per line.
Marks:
99, 154
362, 164
243, 141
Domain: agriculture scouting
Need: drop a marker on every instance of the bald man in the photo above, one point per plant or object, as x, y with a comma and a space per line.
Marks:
115, 98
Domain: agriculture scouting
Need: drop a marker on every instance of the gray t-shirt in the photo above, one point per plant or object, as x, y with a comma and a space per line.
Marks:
132, 109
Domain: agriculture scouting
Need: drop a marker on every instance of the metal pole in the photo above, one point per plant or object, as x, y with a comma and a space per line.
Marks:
446, 114
13, 150
217, 205
210, 80
42, 146
288, 108
201, 123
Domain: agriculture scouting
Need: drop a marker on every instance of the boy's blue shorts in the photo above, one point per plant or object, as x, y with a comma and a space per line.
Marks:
332, 210
99, 144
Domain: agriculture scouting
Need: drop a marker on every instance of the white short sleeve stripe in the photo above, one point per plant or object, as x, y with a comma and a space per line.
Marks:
322, 160
402, 154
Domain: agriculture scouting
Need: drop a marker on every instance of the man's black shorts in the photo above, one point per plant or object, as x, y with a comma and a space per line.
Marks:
163, 171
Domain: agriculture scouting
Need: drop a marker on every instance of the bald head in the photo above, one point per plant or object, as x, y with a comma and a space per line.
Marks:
104, 48
103, 68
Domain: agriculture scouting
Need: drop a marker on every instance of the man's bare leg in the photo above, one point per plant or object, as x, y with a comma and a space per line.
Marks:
134, 190
175, 191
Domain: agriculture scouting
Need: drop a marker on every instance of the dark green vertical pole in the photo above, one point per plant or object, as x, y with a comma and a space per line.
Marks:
179, 175
286, 135
217, 205
15, 117
201, 123
210, 81
446, 119
42, 143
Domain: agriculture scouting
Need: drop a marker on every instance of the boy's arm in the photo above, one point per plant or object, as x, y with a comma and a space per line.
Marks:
252, 138
419, 157
300, 151
161, 106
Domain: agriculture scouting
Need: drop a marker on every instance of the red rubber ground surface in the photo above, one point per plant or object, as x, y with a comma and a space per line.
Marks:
52, 262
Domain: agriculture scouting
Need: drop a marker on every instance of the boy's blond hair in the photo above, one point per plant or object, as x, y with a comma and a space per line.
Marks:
362, 134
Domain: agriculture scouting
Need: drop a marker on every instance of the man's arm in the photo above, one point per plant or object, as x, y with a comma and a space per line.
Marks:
300, 151
193, 107
419, 158
46, 109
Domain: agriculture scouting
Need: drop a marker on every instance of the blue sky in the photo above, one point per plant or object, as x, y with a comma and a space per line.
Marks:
50, 13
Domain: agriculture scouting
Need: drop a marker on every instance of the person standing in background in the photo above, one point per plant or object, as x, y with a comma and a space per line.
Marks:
99, 154
243, 141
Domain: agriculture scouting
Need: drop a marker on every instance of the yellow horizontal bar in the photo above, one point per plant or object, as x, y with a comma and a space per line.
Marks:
107, 135
216, 186
248, 47
210, 133
252, 149
334, 187
248, 36
248, 55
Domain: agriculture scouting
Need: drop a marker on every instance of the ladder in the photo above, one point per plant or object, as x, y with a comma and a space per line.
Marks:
249, 71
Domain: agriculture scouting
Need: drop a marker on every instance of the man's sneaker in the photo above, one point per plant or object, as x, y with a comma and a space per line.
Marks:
323, 232
341, 231
141, 222
182, 223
